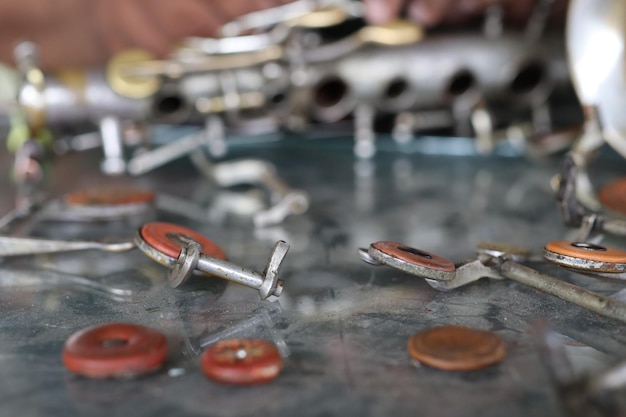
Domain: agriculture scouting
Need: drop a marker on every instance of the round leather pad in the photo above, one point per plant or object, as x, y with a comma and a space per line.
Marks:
242, 361
109, 195
414, 256
166, 238
586, 251
115, 350
456, 348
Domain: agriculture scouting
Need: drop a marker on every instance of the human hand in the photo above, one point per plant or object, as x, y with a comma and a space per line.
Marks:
433, 12
80, 33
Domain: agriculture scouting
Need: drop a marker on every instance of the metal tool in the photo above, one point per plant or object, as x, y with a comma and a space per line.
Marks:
267, 282
17, 246
194, 256
286, 201
575, 214
165, 154
443, 275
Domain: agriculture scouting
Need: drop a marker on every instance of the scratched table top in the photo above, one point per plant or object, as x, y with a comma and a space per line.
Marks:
341, 325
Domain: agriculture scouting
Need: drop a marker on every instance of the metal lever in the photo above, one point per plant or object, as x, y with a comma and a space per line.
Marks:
17, 246
286, 200
267, 283
574, 214
441, 274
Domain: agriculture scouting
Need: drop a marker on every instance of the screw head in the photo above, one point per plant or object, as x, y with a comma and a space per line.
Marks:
185, 265
272, 285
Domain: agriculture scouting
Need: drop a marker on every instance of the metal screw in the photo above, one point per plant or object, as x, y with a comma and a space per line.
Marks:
267, 282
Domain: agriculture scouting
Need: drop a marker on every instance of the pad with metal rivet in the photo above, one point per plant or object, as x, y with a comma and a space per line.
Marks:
586, 256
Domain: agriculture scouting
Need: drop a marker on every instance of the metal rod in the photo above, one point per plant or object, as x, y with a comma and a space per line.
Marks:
613, 226
565, 291
230, 271
16, 246
164, 154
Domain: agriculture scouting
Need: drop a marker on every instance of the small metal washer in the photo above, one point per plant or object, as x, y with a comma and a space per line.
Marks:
242, 361
163, 242
413, 261
585, 256
115, 350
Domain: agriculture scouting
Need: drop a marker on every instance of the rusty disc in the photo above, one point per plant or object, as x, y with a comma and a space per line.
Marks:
414, 256
242, 361
168, 238
613, 196
456, 348
586, 256
115, 350
109, 195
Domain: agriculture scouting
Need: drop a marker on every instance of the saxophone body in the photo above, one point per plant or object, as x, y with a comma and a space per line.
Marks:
291, 77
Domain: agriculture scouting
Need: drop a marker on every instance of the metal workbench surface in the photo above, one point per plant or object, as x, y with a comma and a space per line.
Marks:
342, 326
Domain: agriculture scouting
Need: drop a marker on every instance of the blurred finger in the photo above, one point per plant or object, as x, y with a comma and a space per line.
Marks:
469, 9
138, 29
112, 40
382, 11
231, 9
430, 12
184, 18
